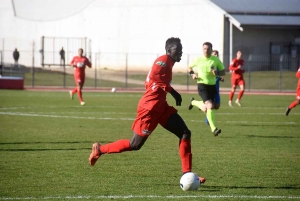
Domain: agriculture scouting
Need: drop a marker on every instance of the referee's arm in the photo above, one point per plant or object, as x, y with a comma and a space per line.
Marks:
221, 72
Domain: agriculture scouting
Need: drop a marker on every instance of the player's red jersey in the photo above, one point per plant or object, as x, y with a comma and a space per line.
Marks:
158, 84
80, 63
298, 76
237, 73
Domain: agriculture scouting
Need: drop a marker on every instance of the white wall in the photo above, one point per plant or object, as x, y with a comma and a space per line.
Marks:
133, 26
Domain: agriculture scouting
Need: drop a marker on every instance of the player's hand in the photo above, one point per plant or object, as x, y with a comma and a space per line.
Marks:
214, 72
194, 76
222, 79
212, 69
176, 96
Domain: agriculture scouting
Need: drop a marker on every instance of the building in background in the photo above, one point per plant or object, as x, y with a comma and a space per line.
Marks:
139, 27
266, 30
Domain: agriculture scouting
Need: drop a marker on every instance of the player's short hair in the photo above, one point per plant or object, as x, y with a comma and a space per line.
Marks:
208, 44
172, 42
217, 52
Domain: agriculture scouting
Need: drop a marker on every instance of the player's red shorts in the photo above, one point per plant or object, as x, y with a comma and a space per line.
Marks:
147, 120
298, 93
237, 81
79, 78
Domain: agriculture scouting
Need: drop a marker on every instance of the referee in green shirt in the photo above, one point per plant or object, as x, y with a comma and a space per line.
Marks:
208, 67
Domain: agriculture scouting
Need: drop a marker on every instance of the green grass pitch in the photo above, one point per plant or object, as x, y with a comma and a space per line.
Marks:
46, 139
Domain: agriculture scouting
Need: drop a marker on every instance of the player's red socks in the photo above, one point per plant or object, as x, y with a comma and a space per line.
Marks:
74, 90
231, 95
185, 152
80, 95
116, 147
293, 104
240, 94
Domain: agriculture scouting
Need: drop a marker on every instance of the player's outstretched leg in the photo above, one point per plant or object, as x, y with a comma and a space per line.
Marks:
287, 111
71, 95
291, 106
95, 154
118, 146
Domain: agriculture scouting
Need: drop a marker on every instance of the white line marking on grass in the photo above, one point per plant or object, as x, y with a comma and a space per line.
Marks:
131, 119
153, 196
68, 117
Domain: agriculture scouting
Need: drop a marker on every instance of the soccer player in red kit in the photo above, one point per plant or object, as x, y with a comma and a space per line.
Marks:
297, 101
153, 109
79, 63
237, 78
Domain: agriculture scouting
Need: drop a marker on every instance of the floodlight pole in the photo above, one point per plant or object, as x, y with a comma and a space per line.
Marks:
64, 66
126, 71
96, 57
32, 70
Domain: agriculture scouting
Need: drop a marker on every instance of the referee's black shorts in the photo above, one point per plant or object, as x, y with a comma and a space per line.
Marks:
207, 92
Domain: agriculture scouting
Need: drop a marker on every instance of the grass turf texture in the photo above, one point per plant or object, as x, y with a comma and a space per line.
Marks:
46, 139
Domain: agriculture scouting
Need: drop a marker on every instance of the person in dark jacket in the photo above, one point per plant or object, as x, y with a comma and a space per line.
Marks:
16, 56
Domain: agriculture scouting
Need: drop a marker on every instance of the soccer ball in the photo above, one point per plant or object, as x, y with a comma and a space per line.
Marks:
189, 181
113, 90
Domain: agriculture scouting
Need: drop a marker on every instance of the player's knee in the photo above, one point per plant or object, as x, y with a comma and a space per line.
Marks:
136, 146
186, 134
203, 108
209, 106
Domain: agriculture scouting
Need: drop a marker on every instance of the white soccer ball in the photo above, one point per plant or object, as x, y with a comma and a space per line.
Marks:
189, 181
113, 90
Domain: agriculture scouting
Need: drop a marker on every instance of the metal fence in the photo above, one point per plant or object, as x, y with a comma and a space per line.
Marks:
129, 70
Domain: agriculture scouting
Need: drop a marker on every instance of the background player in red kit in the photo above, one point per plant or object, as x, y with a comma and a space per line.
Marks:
153, 109
297, 101
237, 78
79, 63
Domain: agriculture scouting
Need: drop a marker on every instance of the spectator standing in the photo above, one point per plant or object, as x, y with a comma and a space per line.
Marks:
62, 56
16, 56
